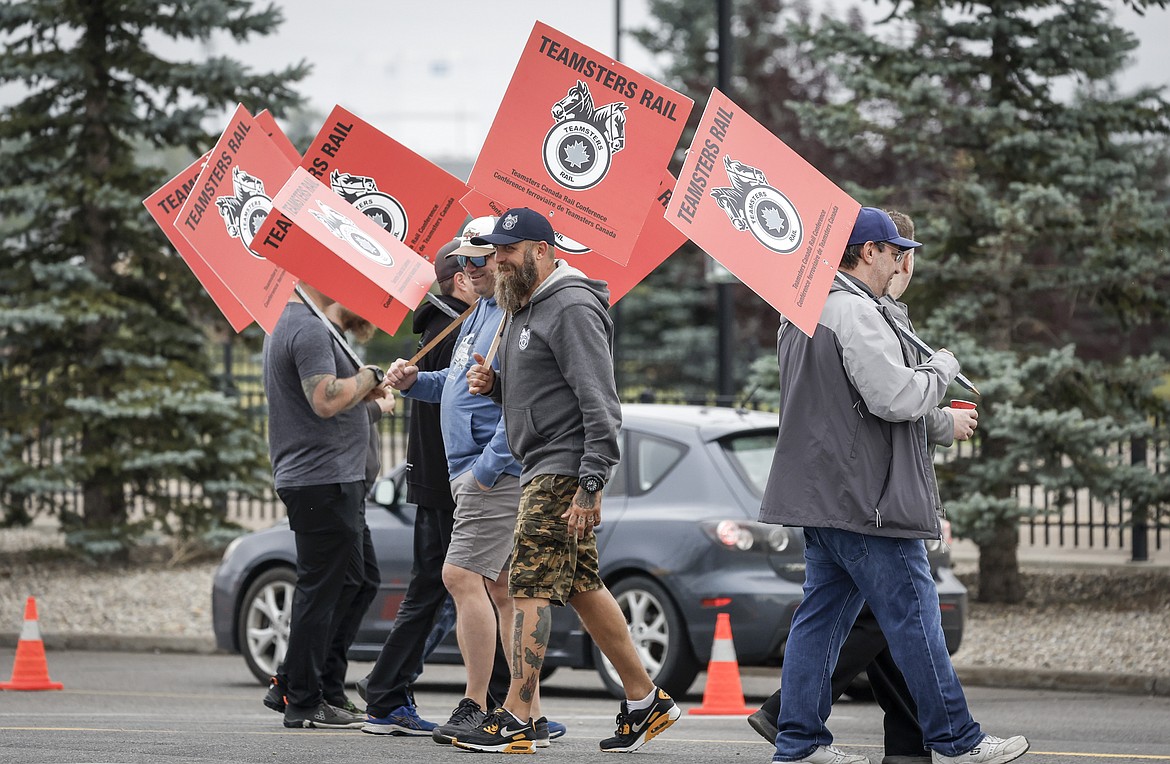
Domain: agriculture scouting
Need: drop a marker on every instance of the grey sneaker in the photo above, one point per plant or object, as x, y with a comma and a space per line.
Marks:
345, 704
323, 716
827, 754
466, 717
989, 750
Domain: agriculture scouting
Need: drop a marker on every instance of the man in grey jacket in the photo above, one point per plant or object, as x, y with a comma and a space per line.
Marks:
852, 467
561, 414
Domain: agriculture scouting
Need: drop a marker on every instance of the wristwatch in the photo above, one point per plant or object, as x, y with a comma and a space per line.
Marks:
379, 375
591, 484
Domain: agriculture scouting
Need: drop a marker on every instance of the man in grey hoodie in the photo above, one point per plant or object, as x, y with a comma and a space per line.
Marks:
562, 415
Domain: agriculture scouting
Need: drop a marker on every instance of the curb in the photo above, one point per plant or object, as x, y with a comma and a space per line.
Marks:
1075, 681
128, 643
974, 676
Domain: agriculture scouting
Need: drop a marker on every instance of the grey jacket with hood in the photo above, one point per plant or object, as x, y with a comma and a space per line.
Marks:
852, 451
556, 382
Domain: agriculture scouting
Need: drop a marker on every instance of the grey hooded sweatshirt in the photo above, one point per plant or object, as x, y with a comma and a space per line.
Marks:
556, 382
852, 450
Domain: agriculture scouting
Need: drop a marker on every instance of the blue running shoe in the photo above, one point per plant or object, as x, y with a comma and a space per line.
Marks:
403, 720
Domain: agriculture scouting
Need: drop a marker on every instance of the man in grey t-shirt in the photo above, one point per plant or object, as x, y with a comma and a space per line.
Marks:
318, 434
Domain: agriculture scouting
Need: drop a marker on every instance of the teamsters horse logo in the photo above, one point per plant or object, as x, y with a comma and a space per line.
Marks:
244, 213
579, 147
362, 192
343, 228
755, 206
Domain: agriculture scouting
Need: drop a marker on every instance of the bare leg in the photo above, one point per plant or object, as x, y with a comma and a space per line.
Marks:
475, 628
603, 620
505, 606
531, 628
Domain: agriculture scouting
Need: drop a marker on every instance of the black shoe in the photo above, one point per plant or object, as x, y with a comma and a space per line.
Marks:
274, 698
547, 731
466, 717
499, 733
636, 728
323, 716
764, 724
362, 684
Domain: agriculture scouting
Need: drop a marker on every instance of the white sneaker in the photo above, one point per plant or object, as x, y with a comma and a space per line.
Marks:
989, 750
827, 754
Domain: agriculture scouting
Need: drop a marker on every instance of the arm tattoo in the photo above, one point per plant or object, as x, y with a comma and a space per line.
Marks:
334, 388
309, 384
585, 500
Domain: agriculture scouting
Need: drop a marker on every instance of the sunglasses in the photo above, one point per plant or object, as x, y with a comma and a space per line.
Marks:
478, 261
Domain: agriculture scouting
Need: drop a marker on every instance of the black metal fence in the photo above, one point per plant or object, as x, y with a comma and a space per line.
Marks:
1084, 522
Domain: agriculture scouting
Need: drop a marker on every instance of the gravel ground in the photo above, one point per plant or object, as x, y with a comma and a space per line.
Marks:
1112, 620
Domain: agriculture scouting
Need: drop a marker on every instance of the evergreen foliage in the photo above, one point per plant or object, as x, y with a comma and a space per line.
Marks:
105, 381
1042, 193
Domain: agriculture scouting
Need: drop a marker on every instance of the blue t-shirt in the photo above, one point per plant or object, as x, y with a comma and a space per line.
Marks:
306, 449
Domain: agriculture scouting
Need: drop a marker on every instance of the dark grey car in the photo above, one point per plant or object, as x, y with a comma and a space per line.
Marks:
678, 544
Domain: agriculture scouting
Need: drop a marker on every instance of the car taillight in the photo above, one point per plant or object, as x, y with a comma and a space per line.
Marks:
733, 534
748, 536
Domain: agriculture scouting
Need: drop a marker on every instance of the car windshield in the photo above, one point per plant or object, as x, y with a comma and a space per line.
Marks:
751, 453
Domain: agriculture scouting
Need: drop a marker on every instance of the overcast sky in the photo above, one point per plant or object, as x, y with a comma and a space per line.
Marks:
431, 74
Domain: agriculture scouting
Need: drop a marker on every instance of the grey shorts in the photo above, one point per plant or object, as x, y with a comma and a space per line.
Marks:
485, 522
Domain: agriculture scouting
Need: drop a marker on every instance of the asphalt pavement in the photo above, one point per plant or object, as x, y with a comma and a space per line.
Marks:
144, 708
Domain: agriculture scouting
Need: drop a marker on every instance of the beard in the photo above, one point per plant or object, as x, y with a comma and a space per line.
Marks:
514, 285
359, 328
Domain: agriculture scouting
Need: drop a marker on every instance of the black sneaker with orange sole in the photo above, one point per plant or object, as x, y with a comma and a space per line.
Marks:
499, 733
636, 728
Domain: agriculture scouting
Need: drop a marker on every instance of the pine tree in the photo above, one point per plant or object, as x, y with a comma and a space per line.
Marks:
105, 381
1042, 194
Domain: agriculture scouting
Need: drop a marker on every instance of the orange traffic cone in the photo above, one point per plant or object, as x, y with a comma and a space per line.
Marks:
723, 695
30, 670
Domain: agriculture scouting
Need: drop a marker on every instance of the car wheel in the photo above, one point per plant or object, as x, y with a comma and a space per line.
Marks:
659, 635
265, 612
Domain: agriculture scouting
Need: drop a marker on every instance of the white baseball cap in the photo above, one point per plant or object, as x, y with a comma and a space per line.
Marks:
477, 227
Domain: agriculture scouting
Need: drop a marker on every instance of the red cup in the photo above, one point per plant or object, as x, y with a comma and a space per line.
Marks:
957, 404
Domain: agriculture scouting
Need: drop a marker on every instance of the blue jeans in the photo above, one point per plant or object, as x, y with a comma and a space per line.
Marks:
844, 570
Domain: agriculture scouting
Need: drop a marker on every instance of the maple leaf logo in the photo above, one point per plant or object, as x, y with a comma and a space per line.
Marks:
774, 220
576, 154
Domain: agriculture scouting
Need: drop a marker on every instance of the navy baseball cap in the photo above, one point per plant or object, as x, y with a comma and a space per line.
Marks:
875, 225
520, 224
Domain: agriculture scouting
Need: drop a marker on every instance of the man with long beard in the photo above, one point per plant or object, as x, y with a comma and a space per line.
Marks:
561, 414
318, 439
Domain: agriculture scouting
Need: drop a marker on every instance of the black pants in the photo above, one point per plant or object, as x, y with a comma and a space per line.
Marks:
866, 649
402, 656
328, 523
348, 618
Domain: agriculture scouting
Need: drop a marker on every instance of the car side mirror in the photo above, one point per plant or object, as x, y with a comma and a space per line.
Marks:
386, 493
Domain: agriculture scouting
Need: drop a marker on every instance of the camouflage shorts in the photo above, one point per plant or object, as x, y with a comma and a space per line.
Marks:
548, 561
